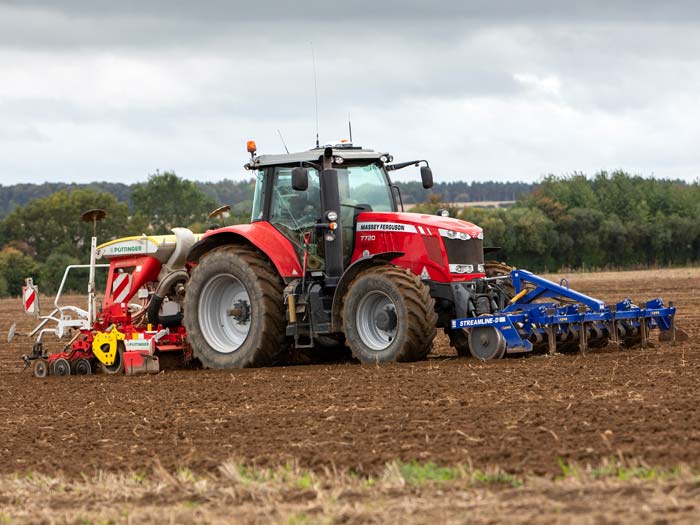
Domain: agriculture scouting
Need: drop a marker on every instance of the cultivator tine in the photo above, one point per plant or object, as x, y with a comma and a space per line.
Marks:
582, 338
551, 338
614, 333
643, 326
675, 334
673, 327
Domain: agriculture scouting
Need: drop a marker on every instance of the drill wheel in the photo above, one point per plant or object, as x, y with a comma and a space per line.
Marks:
61, 367
82, 367
40, 368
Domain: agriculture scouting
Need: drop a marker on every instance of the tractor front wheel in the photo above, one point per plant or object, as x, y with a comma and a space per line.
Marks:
389, 315
459, 340
234, 309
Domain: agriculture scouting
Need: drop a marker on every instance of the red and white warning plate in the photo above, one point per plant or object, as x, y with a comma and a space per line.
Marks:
121, 286
30, 297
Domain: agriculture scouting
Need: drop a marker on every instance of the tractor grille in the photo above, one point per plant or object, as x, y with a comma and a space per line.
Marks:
464, 252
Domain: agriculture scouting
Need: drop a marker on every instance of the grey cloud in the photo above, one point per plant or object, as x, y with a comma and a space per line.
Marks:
383, 11
131, 24
486, 89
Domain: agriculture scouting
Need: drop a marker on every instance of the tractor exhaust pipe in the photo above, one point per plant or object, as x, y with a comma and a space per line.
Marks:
333, 238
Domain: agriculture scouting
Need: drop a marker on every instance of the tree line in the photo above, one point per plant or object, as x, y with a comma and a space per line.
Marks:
611, 220
240, 193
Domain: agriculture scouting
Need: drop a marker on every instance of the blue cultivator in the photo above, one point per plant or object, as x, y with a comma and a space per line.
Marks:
543, 314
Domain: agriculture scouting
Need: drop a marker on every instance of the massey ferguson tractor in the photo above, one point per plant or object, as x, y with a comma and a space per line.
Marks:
329, 259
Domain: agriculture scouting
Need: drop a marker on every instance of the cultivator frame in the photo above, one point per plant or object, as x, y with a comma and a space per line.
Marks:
544, 314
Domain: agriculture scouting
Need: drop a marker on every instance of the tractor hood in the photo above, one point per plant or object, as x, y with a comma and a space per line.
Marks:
420, 222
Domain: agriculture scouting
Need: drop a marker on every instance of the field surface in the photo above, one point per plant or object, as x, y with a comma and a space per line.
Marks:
525, 421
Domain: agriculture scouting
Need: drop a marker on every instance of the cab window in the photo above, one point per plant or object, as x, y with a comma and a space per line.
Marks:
365, 185
295, 210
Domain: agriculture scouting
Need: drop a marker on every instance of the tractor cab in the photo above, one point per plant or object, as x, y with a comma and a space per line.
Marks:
296, 193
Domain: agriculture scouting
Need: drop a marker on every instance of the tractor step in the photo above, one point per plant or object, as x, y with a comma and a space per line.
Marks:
547, 315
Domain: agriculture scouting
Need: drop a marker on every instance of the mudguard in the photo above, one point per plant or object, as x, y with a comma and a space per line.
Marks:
262, 235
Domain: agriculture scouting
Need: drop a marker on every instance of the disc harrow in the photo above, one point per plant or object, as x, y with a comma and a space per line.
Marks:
544, 315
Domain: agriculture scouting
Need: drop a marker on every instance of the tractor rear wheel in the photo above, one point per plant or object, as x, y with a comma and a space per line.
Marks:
234, 309
389, 315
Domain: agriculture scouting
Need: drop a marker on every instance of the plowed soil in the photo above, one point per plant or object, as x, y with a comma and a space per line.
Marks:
520, 414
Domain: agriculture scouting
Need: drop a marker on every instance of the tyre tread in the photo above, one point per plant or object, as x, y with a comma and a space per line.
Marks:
270, 293
420, 310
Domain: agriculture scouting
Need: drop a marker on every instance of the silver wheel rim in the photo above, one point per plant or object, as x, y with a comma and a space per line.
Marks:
222, 331
371, 305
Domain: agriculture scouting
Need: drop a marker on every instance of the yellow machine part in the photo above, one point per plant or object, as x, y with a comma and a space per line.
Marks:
104, 346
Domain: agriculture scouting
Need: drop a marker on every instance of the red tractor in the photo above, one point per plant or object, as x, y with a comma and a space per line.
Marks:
329, 259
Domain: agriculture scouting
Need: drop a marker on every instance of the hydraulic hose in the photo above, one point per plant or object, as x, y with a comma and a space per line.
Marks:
156, 301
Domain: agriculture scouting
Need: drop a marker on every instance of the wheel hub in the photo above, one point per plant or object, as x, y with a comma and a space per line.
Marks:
240, 311
386, 319
377, 322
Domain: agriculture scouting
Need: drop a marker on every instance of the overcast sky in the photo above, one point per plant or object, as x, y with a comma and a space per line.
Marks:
115, 90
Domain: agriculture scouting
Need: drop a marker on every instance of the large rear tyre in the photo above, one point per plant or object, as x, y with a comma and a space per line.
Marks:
234, 309
389, 315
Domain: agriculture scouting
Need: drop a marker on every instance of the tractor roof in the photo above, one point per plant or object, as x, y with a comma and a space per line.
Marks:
349, 154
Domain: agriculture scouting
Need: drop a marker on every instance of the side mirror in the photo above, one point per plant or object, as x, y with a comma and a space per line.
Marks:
426, 175
300, 179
